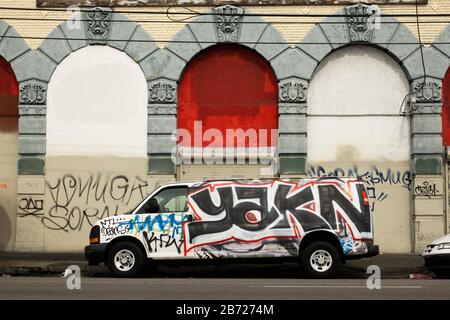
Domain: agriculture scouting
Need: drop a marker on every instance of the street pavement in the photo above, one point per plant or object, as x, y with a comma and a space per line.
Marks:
393, 266
223, 289
40, 276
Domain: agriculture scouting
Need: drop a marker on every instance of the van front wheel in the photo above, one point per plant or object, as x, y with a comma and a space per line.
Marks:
319, 260
126, 259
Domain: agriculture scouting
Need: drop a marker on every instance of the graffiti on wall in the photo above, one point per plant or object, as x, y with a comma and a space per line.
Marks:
30, 205
247, 217
76, 202
427, 189
375, 179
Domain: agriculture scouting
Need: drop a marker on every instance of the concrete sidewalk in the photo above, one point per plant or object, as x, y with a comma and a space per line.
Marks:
393, 266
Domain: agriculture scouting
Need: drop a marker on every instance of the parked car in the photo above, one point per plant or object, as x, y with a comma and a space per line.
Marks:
437, 255
318, 222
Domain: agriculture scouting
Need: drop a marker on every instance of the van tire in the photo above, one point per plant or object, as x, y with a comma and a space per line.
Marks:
319, 259
126, 259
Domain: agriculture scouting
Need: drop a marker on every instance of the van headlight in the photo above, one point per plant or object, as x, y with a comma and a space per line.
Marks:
442, 246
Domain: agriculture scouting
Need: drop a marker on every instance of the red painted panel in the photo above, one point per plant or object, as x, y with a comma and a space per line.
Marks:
445, 109
228, 87
9, 96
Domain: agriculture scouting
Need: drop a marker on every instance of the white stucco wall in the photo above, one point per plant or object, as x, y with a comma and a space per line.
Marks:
358, 81
97, 105
354, 128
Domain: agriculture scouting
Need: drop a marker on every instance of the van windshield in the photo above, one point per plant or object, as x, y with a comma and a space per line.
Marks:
171, 199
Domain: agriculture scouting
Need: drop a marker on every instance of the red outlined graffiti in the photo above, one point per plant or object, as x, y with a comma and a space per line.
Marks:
277, 209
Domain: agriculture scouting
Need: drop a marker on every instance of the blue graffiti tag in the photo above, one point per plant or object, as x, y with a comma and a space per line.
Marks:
164, 222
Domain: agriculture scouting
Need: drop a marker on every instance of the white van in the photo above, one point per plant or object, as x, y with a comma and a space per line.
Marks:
322, 222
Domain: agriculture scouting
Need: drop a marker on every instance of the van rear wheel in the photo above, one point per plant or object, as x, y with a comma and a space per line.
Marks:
319, 260
126, 259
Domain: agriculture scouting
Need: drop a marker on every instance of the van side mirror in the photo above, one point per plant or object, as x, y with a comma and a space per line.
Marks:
152, 206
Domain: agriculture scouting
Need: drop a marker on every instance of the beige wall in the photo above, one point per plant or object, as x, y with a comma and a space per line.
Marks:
78, 192
166, 29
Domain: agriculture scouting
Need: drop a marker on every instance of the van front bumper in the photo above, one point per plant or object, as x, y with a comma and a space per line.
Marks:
371, 250
95, 253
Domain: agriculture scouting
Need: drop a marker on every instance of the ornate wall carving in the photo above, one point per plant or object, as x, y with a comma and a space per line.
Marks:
228, 23
98, 23
359, 25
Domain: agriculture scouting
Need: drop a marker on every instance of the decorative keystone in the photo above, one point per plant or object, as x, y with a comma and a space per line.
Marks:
228, 22
358, 22
98, 24
293, 91
33, 92
162, 92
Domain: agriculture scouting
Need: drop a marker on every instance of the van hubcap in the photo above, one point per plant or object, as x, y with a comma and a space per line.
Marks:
321, 260
124, 260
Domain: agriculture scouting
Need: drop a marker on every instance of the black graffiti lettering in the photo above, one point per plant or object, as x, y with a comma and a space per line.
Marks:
83, 188
407, 179
286, 204
69, 182
427, 189
294, 210
110, 229
101, 197
31, 206
161, 241
56, 219
74, 218
205, 203
330, 195
239, 211
119, 185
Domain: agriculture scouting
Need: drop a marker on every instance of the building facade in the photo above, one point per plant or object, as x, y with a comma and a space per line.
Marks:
100, 106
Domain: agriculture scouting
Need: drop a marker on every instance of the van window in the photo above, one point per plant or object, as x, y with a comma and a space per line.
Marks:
169, 200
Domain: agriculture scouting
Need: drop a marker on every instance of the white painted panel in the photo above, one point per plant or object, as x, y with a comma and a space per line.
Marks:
360, 81
358, 139
97, 105
357, 79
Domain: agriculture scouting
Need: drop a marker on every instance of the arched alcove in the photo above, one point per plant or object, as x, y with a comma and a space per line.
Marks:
97, 105
355, 129
228, 87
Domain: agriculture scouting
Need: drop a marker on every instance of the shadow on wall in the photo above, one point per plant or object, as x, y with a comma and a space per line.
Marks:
5, 228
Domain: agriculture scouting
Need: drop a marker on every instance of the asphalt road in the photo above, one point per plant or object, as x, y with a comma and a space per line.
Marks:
225, 288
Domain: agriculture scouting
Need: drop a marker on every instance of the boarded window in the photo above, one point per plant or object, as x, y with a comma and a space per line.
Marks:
228, 87
9, 95
445, 111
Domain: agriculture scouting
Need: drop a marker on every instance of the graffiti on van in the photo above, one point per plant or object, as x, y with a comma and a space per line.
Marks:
237, 218
248, 216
